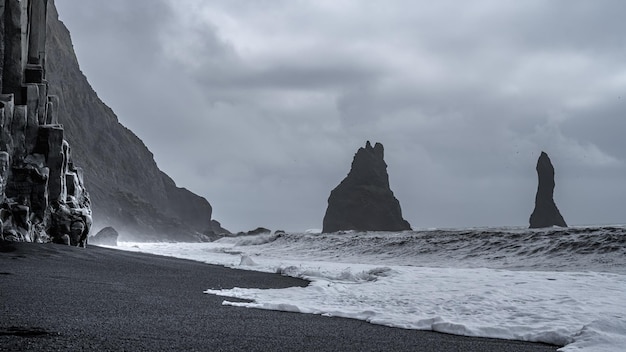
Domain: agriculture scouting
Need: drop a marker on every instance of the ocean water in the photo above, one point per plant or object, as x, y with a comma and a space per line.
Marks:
559, 286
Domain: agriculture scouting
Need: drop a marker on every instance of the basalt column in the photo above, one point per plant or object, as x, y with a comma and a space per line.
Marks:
36, 203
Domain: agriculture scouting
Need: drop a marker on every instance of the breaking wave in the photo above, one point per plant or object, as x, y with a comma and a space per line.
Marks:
568, 249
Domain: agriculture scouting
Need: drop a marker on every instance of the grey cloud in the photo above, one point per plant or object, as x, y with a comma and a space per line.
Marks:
576, 25
260, 106
604, 126
133, 26
294, 76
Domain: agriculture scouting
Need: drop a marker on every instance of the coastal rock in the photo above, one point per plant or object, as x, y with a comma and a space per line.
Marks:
215, 232
363, 201
217, 228
128, 190
36, 202
546, 214
257, 231
106, 237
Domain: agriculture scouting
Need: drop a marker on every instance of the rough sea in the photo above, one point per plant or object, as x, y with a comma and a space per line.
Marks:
559, 286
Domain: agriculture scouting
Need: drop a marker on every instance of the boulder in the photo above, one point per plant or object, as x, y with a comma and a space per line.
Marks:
546, 214
105, 237
77, 229
363, 201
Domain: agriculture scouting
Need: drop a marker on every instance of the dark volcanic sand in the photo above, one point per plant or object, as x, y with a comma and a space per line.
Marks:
59, 298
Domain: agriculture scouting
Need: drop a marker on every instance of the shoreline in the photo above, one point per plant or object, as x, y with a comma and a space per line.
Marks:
56, 297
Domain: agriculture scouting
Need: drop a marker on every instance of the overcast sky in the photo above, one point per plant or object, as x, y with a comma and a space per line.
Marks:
259, 106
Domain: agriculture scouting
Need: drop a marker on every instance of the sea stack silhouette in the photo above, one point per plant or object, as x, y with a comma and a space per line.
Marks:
363, 201
546, 214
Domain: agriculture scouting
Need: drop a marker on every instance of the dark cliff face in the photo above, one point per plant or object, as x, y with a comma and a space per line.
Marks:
546, 213
127, 188
363, 201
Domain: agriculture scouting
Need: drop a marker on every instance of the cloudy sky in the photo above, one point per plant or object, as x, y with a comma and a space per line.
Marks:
259, 106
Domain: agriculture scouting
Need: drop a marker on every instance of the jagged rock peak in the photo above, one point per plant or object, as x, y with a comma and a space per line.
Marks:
546, 213
369, 167
378, 149
363, 201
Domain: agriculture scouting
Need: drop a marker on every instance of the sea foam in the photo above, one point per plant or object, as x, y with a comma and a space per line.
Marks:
465, 282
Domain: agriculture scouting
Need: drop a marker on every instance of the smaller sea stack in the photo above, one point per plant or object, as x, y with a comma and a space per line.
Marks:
546, 214
363, 201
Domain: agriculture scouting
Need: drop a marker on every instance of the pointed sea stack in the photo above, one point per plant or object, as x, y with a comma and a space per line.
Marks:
546, 214
363, 201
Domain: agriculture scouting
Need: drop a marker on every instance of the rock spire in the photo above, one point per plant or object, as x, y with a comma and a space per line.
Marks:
363, 201
546, 213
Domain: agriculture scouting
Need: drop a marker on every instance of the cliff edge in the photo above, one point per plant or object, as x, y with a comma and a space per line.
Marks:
128, 190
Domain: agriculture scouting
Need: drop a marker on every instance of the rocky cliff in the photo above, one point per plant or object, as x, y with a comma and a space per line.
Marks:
363, 201
546, 214
42, 193
128, 190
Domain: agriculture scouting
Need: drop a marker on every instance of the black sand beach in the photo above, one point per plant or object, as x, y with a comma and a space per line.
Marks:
60, 298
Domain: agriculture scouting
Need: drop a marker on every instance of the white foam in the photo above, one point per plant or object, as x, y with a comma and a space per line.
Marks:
530, 306
246, 261
583, 310
604, 335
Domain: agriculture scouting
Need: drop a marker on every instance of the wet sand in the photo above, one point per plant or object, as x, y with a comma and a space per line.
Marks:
60, 298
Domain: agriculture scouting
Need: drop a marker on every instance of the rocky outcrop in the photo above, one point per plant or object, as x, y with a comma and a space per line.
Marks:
363, 201
127, 188
546, 214
257, 231
42, 193
105, 237
217, 228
